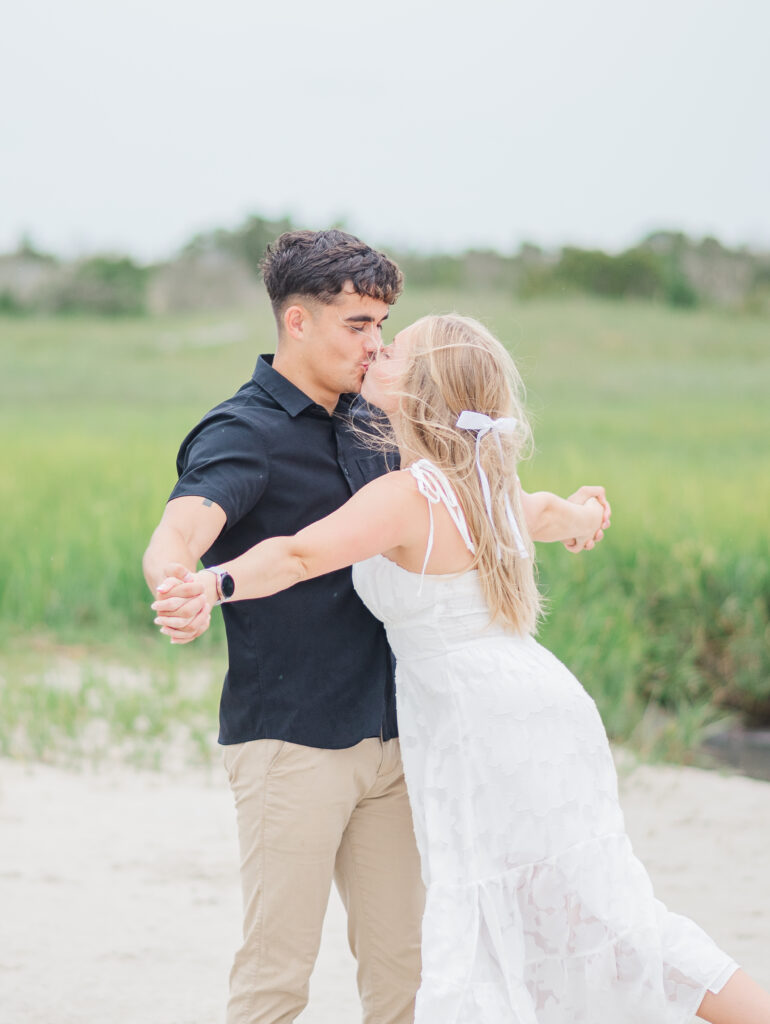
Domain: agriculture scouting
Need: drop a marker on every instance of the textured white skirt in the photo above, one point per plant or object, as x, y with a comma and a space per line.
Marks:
537, 910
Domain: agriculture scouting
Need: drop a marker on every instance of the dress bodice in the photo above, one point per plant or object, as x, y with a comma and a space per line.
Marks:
426, 614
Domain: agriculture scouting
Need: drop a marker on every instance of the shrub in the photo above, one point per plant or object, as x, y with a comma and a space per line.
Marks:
112, 285
10, 304
634, 273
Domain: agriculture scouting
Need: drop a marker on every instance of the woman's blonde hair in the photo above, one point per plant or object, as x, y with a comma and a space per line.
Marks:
456, 364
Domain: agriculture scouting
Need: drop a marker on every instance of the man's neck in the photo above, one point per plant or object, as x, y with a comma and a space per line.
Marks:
297, 374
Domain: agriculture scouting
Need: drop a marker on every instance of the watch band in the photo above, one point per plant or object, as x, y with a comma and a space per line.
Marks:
215, 573
224, 583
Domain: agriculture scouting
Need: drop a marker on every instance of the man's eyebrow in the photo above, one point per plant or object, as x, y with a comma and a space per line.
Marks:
364, 318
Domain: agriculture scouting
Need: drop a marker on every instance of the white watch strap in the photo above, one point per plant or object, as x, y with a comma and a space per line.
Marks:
218, 577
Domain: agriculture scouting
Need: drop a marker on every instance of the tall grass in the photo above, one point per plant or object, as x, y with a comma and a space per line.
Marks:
668, 409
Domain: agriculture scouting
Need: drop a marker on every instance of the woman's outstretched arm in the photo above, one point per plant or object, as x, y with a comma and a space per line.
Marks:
575, 521
384, 516
378, 518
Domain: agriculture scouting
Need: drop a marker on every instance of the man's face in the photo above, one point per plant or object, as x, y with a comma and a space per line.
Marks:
344, 337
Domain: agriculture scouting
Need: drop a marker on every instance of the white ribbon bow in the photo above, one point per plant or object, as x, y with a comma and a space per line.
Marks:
478, 421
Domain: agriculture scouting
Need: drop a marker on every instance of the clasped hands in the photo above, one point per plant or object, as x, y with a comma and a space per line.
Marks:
183, 603
581, 497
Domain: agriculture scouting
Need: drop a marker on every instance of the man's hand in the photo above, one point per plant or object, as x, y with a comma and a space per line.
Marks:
182, 608
580, 497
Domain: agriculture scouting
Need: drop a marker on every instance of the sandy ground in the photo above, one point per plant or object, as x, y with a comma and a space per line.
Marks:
119, 895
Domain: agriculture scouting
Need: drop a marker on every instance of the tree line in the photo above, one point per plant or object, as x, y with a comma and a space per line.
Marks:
220, 269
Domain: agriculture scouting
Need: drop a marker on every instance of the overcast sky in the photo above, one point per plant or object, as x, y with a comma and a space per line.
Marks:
438, 125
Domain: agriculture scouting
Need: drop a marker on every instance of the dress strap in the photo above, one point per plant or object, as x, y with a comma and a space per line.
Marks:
433, 484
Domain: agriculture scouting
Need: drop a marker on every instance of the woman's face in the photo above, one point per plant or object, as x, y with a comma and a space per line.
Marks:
382, 382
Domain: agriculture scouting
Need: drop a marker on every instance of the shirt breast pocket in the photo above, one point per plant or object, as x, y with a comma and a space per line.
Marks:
370, 467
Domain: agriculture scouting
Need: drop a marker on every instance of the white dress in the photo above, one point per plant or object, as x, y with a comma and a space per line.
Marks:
537, 910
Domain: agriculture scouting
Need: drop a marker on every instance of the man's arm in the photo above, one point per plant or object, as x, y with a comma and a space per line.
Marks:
187, 529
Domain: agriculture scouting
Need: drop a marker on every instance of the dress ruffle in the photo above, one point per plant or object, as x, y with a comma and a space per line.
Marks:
578, 937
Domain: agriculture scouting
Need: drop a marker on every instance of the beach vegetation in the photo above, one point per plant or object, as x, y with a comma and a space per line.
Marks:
666, 623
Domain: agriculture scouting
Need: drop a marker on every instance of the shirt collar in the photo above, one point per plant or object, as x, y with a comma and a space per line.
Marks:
288, 395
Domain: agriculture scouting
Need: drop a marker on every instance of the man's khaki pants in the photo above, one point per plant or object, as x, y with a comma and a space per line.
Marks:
307, 815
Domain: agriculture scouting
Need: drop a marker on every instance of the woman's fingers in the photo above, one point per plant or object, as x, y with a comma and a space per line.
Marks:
186, 609
184, 635
174, 573
176, 600
587, 491
178, 589
583, 543
176, 623
190, 611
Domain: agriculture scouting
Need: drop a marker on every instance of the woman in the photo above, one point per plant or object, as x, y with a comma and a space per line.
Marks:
537, 911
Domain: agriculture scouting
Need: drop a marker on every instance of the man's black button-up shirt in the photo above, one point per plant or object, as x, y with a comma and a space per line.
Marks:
310, 665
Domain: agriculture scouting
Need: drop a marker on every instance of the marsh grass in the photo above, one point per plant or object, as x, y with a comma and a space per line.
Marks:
67, 705
666, 623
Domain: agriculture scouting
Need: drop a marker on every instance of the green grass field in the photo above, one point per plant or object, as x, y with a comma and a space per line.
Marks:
669, 410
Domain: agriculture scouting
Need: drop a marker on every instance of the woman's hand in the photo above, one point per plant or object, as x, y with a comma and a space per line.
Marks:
184, 602
598, 504
581, 496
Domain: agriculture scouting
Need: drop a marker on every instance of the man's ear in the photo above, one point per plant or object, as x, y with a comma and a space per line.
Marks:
295, 321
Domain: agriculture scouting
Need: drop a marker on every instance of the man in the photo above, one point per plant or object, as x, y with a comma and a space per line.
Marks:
307, 717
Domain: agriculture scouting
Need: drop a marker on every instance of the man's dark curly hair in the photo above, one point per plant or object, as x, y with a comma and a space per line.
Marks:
316, 264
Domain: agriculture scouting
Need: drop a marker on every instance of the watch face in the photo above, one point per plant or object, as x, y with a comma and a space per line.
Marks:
228, 585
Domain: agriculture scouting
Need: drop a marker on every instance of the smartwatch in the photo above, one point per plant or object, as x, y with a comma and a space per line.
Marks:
225, 583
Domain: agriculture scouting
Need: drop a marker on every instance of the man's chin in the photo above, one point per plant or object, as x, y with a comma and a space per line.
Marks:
365, 391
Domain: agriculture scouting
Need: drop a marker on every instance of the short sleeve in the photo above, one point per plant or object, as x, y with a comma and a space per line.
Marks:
224, 459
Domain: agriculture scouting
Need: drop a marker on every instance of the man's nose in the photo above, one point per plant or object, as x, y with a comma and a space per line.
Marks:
372, 343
